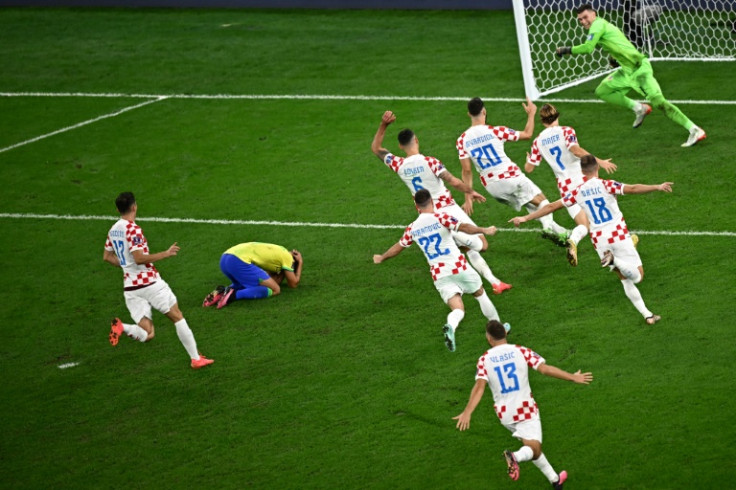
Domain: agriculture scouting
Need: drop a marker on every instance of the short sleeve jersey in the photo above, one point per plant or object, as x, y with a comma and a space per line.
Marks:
267, 256
553, 145
483, 145
598, 199
506, 370
431, 231
421, 172
613, 41
124, 238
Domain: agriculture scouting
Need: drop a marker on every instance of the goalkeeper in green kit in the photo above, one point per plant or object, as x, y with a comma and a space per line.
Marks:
635, 73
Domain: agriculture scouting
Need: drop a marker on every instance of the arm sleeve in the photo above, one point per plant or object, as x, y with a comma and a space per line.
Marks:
460, 145
407, 239
505, 134
533, 360
535, 157
594, 35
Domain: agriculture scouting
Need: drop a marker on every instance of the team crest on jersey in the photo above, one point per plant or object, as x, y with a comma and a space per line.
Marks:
590, 37
389, 159
137, 240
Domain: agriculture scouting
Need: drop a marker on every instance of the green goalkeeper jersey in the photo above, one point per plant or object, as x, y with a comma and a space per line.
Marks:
613, 41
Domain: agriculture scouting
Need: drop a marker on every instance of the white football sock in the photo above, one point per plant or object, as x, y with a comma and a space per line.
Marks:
578, 233
486, 306
474, 242
548, 223
629, 270
186, 337
479, 264
524, 454
454, 318
135, 332
632, 292
546, 468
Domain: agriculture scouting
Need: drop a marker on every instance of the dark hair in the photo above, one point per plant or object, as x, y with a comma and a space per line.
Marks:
475, 105
124, 202
495, 329
422, 197
405, 136
588, 163
548, 113
584, 7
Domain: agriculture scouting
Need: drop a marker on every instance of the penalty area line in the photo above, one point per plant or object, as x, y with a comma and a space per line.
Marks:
304, 224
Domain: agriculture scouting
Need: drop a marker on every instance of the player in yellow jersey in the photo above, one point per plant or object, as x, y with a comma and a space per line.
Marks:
256, 271
635, 73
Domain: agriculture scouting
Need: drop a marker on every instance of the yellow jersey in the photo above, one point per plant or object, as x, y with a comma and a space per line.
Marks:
267, 256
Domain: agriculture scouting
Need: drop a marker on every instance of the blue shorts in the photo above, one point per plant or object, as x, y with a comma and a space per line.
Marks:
242, 274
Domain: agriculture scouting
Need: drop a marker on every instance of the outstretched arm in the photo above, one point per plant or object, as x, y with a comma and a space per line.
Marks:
378, 150
530, 110
644, 189
395, 250
586, 48
458, 184
111, 258
293, 278
468, 180
474, 230
576, 377
463, 420
143, 258
606, 165
549, 208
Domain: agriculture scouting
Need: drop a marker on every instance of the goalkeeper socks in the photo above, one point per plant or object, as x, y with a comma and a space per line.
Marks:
546, 468
255, 292
632, 292
186, 337
487, 307
480, 265
135, 332
578, 233
524, 454
454, 318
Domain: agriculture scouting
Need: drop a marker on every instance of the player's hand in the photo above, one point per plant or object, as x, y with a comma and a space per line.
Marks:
296, 254
173, 250
608, 166
563, 50
388, 118
468, 206
529, 107
666, 186
377, 259
490, 230
518, 220
463, 421
613, 62
582, 378
477, 197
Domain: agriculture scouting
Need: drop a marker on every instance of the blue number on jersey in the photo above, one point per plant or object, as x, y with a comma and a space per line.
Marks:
119, 247
510, 374
427, 241
556, 151
600, 212
481, 155
417, 183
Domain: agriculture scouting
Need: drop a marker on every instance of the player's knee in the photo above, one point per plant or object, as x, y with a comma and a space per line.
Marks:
602, 91
658, 102
484, 243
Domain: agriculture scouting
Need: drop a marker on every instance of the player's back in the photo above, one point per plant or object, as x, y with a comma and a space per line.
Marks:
484, 146
597, 197
124, 238
421, 172
553, 144
267, 256
432, 232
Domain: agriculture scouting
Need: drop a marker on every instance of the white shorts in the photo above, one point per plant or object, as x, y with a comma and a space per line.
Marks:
573, 210
466, 282
461, 239
527, 429
158, 295
514, 192
622, 249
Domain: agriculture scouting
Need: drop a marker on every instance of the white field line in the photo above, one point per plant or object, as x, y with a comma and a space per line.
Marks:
332, 97
68, 365
79, 125
303, 224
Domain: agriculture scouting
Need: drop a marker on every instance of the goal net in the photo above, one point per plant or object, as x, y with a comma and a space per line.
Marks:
679, 30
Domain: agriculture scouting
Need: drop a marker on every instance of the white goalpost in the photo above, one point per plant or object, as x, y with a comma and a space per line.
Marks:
676, 30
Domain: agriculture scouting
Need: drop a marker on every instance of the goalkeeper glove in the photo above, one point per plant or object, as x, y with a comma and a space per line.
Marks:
612, 61
563, 51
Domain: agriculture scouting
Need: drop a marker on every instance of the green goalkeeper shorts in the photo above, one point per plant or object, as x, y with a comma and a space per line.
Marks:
641, 80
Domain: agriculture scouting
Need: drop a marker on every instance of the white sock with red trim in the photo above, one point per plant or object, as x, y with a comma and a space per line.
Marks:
135, 332
186, 337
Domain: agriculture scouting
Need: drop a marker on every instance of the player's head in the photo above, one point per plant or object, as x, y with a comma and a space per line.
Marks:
125, 202
549, 114
475, 106
589, 165
495, 332
423, 199
586, 15
406, 138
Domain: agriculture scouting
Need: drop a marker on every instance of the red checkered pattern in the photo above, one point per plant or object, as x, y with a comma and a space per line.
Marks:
571, 139
443, 201
449, 222
504, 134
512, 171
455, 268
535, 156
526, 411
617, 234
394, 162
532, 358
134, 275
564, 186
500, 411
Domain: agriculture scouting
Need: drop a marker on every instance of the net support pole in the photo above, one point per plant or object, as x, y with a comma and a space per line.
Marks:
522, 35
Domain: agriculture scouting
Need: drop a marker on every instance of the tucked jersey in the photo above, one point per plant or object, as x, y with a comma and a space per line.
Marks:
553, 145
267, 256
506, 370
598, 199
431, 231
483, 145
420, 172
124, 238
613, 41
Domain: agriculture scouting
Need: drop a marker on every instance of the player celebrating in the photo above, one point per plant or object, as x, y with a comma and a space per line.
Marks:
420, 172
635, 73
451, 276
502, 178
608, 230
126, 247
505, 369
560, 149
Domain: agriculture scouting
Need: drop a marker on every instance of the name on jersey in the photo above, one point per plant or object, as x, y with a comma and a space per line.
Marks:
595, 191
552, 139
426, 229
507, 356
413, 171
480, 139
117, 233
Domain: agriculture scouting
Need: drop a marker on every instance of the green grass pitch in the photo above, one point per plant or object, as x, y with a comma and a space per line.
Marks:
344, 382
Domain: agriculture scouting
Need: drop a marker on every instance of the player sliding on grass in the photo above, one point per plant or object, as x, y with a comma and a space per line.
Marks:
126, 247
450, 273
505, 369
608, 230
635, 73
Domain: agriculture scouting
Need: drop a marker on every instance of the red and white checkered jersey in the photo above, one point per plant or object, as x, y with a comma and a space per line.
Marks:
506, 370
124, 238
483, 145
597, 197
419, 172
431, 231
553, 144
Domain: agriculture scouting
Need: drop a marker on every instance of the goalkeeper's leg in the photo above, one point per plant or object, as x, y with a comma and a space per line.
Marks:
649, 86
613, 89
